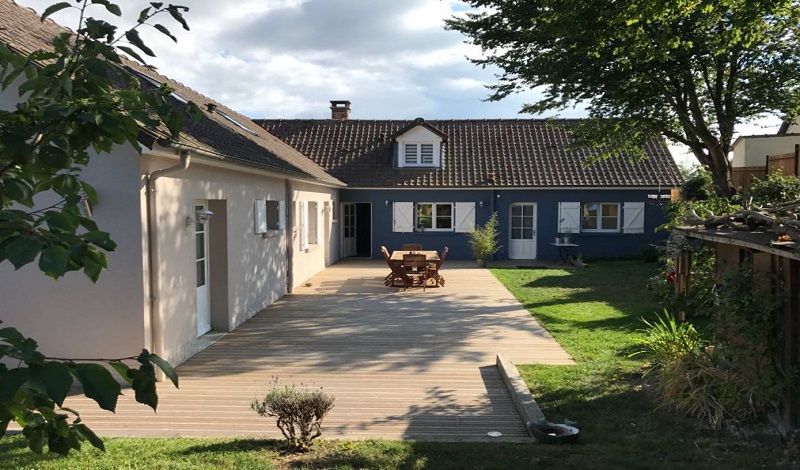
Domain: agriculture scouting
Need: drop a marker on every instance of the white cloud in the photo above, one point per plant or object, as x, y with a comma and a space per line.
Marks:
287, 58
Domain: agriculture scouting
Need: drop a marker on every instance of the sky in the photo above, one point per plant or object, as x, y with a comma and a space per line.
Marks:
392, 59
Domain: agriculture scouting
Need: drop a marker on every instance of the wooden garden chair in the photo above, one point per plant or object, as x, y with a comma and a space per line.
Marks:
412, 247
435, 267
415, 268
395, 268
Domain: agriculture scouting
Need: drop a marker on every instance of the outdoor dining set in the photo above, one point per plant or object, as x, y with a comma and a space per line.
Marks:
413, 266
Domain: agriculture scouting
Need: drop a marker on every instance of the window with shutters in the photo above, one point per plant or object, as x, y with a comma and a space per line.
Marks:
600, 217
434, 216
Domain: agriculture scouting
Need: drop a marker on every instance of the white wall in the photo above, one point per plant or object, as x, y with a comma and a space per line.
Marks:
753, 150
307, 263
256, 266
72, 317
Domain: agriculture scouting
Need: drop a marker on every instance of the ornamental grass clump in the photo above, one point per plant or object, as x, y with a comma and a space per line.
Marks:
299, 413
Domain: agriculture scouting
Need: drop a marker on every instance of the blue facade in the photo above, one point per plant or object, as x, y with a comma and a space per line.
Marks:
376, 205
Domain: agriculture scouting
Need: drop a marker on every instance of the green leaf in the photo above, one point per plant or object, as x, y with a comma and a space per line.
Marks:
53, 261
133, 37
165, 31
11, 383
56, 378
53, 9
111, 7
132, 53
175, 11
98, 384
22, 251
18, 190
90, 436
35, 436
123, 370
175, 124
101, 239
166, 367
11, 335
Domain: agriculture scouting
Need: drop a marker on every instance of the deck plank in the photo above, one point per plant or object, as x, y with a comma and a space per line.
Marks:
415, 365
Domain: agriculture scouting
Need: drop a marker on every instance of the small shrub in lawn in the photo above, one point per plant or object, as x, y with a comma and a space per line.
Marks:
299, 413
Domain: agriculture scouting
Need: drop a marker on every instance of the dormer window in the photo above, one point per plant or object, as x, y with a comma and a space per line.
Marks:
419, 146
418, 154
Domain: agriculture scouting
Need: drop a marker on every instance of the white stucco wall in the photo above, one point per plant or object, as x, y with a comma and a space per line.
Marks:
753, 150
255, 266
307, 263
72, 317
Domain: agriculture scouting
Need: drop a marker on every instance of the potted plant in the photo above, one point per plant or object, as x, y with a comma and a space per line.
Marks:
483, 240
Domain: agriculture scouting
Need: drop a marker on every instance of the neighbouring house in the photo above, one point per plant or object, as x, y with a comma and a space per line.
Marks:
177, 273
431, 181
756, 156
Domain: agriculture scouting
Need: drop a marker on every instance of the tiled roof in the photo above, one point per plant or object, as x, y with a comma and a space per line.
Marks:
22, 30
518, 152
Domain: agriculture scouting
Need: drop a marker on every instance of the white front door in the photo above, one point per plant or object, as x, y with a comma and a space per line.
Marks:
522, 240
201, 262
348, 230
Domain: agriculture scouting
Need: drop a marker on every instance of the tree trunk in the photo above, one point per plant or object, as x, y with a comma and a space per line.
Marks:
722, 181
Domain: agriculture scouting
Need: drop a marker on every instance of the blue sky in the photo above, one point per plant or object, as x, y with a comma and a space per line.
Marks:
288, 58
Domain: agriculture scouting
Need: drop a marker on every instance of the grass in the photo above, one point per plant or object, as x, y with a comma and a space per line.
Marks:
594, 313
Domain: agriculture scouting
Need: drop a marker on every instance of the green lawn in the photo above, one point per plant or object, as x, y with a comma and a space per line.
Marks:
594, 313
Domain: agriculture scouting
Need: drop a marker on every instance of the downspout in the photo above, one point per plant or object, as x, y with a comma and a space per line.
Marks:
153, 256
289, 207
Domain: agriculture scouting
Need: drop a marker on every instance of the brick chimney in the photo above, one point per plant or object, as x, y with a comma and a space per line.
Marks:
340, 110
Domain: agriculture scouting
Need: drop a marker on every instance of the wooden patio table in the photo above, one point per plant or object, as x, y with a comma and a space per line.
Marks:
430, 256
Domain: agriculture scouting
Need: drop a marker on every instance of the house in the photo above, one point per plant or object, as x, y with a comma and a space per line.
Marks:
210, 228
756, 156
432, 181
215, 226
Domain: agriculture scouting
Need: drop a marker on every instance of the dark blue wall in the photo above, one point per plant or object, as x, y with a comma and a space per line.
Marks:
547, 217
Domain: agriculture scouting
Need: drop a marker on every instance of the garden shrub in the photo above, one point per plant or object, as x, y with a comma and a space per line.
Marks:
731, 376
777, 188
299, 413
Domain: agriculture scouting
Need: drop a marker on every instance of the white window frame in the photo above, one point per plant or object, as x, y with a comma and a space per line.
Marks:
599, 217
434, 217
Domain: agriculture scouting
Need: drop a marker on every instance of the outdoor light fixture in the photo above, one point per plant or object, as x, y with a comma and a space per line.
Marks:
386, 203
200, 216
480, 203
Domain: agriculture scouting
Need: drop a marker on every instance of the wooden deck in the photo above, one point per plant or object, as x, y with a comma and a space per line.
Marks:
402, 365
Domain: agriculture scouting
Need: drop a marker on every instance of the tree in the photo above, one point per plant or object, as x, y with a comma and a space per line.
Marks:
76, 98
690, 70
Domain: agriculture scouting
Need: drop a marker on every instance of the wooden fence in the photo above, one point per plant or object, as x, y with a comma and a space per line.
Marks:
742, 177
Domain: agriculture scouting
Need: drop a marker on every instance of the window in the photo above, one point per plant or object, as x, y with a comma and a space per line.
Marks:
600, 216
313, 221
269, 216
434, 216
443, 216
418, 155
273, 215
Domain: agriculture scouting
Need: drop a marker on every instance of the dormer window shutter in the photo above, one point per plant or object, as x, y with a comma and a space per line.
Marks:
411, 154
426, 154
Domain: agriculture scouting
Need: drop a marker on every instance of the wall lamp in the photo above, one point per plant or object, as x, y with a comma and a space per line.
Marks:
480, 203
201, 217
386, 203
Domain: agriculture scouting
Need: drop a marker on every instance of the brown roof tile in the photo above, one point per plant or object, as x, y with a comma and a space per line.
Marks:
519, 152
